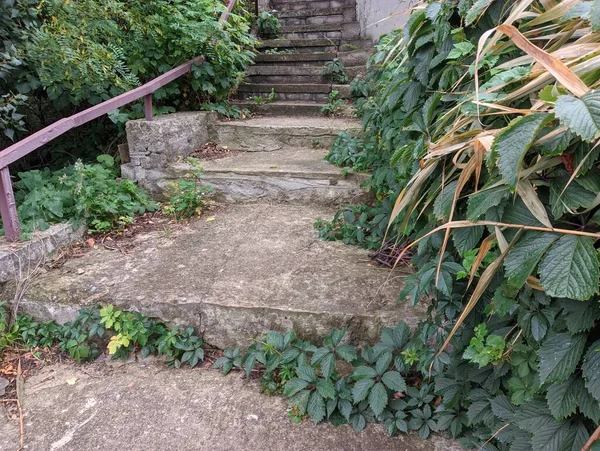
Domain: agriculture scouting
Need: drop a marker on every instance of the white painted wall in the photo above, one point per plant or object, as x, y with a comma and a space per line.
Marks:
378, 17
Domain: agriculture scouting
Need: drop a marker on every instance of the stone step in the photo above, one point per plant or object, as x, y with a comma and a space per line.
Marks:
269, 134
296, 59
296, 5
299, 176
301, 45
329, 31
141, 405
300, 91
251, 268
286, 79
282, 108
317, 16
285, 74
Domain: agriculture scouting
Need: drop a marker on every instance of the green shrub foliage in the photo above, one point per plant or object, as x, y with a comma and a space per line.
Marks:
484, 155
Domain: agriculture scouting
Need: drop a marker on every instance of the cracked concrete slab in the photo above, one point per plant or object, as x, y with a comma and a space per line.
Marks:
143, 406
253, 268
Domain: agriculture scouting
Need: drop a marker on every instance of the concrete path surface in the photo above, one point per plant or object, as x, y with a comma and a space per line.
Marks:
145, 406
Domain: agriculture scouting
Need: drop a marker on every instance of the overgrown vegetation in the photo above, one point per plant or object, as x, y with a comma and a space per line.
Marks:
335, 105
481, 128
336, 71
268, 25
81, 193
61, 57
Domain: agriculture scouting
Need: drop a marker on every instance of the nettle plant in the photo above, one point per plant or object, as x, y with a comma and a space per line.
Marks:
488, 114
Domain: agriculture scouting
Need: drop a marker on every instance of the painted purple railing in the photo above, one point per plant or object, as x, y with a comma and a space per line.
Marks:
8, 207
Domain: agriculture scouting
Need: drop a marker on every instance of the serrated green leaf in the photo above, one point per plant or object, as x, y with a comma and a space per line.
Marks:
570, 268
326, 389
444, 200
481, 201
467, 238
591, 370
394, 381
363, 372
345, 408
503, 408
318, 355
307, 373
552, 436
347, 352
383, 363
378, 398
359, 422
589, 406
533, 416
562, 398
526, 254
328, 365
595, 15
361, 389
475, 11
580, 316
475, 411
559, 356
581, 115
293, 386
316, 407
512, 144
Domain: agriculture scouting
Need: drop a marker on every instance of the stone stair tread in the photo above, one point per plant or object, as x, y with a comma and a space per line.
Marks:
305, 163
311, 28
281, 69
294, 57
310, 12
321, 88
252, 268
288, 122
286, 43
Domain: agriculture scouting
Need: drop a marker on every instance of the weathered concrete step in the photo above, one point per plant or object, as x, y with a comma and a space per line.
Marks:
271, 69
268, 133
301, 45
295, 5
288, 75
317, 16
286, 79
144, 406
298, 91
251, 268
282, 108
297, 59
328, 30
299, 176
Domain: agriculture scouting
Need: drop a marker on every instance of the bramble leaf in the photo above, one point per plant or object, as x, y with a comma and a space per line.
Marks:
559, 356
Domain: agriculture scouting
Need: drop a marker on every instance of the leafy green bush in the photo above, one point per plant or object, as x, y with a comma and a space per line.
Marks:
85, 193
336, 71
268, 24
335, 105
493, 175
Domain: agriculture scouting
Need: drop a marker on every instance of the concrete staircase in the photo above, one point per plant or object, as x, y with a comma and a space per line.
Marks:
312, 34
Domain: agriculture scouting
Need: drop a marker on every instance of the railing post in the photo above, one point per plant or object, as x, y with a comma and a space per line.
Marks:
8, 207
148, 107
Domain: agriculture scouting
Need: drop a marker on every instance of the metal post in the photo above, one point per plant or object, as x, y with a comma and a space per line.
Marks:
148, 107
8, 207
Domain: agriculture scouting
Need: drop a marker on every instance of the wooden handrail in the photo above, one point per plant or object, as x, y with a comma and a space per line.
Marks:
8, 208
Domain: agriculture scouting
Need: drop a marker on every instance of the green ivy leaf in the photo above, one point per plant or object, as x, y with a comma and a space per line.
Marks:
580, 316
361, 389
444, 200
346, 352
316, 407
307, 373
581, 115
562, 398
293, 386
526, 254
559, 356
570, 268
552, 436
326, 389
378, 398
383, 363
476, 10
591, 370
512, 144
328, 365
394, 381
363, 372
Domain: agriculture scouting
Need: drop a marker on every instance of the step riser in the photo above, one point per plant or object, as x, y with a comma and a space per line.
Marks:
295, 96
317, 4
259, 139
313, 20
283, 70
311, 50
284, 79
294, 59
241, 188
275, 109
313, 35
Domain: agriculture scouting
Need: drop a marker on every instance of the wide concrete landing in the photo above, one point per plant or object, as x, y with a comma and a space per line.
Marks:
146, 407
241, 271
295, 175
276, 133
